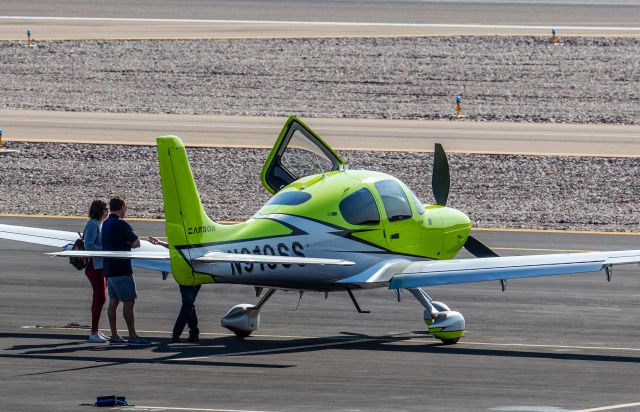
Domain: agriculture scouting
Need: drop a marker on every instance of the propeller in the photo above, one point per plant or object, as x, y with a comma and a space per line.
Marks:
440, 183
440, 180
478, 249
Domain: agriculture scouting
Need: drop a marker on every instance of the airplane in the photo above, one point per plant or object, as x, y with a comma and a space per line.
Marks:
327, 228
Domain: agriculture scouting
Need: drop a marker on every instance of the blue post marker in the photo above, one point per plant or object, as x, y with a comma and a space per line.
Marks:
554, 38
29, 42
458, 106
0, 138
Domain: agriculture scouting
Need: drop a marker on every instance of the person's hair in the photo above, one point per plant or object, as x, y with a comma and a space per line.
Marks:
96, 209
116, 203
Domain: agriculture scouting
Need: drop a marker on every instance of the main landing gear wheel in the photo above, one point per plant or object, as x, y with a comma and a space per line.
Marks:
241, 334
243, 319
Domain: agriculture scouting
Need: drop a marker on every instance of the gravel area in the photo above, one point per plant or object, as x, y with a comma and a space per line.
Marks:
556, 192
584, 80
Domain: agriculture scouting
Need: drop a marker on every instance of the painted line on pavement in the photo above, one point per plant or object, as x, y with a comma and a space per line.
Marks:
610, 408
530, 249
324, 23
174, 408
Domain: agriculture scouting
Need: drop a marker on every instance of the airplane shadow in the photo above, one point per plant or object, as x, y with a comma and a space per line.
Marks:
74, 348
223, 351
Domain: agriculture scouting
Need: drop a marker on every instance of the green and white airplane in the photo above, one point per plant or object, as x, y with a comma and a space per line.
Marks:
326, 229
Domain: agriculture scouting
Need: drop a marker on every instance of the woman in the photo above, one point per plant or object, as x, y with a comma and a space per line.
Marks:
98, 212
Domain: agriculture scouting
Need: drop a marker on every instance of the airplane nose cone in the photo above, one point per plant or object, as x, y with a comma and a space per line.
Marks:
457, 227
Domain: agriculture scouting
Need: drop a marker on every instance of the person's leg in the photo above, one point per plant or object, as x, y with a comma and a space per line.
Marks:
127, 313
185, 311
194, 332
111, 312
113, 306
98, 285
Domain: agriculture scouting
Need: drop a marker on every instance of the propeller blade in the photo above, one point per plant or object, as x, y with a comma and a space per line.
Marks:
440, 180
478, 249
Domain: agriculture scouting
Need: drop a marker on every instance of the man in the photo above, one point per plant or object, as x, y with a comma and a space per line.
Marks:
118, 235
187, 315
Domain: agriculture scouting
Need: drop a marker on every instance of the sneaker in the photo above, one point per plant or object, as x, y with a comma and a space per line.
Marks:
175, 339
117, 340
138, 341
104, 336
97, 338
193, 338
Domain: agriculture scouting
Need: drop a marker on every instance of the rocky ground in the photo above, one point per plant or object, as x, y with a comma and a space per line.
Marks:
494, 190
585, 80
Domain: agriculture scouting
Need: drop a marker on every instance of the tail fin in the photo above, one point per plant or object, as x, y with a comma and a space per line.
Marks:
187, 222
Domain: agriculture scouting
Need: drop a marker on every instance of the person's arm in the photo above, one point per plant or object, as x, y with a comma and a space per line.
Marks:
156, 241
91, 236
132, 239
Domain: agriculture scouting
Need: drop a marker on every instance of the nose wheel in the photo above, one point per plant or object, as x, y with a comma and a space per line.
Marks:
442, 322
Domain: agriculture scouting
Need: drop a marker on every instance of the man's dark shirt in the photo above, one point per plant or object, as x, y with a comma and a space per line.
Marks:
117, 234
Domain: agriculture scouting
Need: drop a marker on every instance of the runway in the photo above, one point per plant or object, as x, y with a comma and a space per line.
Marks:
171, 19
342, 134
557, 344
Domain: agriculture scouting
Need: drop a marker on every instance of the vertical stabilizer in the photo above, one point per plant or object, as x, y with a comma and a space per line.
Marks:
186, 221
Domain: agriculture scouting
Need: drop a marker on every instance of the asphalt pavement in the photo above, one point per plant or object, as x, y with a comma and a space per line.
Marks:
554, 344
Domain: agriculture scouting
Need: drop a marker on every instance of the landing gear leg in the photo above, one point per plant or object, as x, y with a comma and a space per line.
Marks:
244, 318
442, 322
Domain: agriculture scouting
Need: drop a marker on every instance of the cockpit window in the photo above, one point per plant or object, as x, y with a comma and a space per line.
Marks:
394, 199
289, 198
419, 205
359, 208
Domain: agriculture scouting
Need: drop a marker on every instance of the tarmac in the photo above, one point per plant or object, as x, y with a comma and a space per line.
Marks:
344, 134
566, 343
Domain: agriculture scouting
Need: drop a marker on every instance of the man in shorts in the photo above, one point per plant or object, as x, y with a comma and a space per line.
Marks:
118, 235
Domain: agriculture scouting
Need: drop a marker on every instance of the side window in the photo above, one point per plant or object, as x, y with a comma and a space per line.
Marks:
419, 205
359, 208
394, 199
289, 198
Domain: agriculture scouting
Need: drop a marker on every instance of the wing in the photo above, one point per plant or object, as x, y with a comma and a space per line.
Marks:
57, 238
148, 256
433, 273
136, 254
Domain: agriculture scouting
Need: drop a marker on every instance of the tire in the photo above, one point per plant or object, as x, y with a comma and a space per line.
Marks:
241, 334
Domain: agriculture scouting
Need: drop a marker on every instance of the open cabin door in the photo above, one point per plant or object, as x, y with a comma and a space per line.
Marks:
297, 153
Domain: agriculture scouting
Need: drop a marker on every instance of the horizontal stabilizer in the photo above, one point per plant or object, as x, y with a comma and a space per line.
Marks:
433, 273
248, 258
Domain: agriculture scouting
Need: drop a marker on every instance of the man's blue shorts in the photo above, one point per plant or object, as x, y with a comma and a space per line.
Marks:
122, 288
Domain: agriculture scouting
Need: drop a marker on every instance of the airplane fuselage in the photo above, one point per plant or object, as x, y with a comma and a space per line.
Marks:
366, 217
